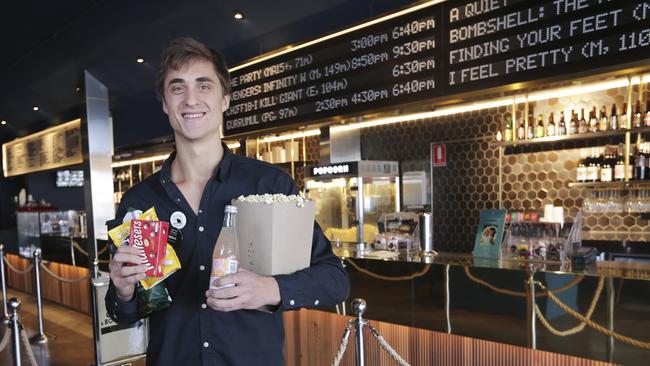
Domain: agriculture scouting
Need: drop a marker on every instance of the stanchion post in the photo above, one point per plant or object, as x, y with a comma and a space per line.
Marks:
39, 338
610, 318
447, 300
93, 291
15, 328
359, 307
4, 284
532, 333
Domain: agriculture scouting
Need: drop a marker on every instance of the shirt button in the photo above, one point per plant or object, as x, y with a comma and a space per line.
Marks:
201, 268
316, 302
206, 344
203, 306
201, 228
291, 302
178, 200
200, 211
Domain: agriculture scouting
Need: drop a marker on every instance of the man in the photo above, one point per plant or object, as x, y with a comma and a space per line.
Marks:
215, 327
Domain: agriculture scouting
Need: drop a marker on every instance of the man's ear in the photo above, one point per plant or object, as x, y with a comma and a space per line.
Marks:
164, 106
225, 103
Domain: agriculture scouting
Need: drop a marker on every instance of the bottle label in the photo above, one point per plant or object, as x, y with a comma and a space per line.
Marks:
582, 174
619, 172
606, 175
222, 267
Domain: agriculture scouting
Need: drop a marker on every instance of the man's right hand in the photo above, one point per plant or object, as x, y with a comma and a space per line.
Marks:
126, 271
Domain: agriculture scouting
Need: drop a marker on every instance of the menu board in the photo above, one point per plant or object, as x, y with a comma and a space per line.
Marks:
389, 63
448, 48
51, 148
500, 42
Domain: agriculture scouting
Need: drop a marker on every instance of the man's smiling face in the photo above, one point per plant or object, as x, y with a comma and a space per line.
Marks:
194, 101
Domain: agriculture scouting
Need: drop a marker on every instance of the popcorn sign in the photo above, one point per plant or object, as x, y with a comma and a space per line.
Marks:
150, 237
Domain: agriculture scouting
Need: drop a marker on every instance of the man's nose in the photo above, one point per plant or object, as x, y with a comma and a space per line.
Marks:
191, 97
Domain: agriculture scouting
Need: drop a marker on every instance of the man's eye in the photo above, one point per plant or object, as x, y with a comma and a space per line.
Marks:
177, 89
204, 87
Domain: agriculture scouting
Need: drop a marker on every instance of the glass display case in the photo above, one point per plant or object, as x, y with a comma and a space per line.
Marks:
353, 195
35, 224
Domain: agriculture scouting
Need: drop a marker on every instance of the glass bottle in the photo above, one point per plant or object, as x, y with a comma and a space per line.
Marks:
636, 117
582, 124
573, 124
521, 131
581, 171
225, 257
623, 117
607, 166
561, 129
619, 169
550, 128
613, 119
646, 119
603, 124
531, 127
540, 130
593, 120
508, 130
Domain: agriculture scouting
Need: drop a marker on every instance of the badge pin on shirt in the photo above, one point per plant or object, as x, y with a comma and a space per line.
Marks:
178, 220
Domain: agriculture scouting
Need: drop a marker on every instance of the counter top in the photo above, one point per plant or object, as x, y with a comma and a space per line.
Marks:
615, 269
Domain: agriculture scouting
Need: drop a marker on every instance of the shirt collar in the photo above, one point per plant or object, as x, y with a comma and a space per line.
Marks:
221, 173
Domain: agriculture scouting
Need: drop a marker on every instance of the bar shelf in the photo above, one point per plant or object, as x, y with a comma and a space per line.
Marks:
574, 137
616, 185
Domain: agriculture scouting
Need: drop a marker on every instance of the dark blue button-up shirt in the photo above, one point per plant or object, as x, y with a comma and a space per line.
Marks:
191, 333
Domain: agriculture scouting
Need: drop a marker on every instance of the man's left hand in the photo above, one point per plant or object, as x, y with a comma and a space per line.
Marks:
250, 291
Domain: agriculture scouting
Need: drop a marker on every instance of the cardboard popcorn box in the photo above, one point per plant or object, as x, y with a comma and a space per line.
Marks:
274, 238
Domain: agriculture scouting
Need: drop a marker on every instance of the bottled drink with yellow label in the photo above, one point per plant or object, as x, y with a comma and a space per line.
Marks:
225, 257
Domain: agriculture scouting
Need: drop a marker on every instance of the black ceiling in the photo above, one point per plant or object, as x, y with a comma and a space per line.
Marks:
47, 44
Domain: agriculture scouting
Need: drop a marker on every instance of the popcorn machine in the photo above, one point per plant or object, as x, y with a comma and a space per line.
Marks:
351, 197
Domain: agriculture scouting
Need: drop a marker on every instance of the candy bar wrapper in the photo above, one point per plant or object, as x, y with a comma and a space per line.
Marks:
171, 264
120, 234
150, 237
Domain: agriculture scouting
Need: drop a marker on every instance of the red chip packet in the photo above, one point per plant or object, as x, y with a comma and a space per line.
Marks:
151, 238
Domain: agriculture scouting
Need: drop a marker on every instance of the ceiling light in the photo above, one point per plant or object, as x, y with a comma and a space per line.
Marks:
139, 60
3, 122
35, 108
237, 14
78, 89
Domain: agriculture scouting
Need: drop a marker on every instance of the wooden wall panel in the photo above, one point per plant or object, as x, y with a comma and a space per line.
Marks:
72, 295
313, 338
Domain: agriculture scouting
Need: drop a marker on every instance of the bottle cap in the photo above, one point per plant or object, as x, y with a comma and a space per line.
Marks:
230, 209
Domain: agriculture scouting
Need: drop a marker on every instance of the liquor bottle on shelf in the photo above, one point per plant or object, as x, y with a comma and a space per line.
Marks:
521, 131
581, 171
619, 168
593, 168
603, 123
613, 119
508, 130
623, 117
499, 133
550, 128
607, 166
561, 128
540, 129
637, 116
573, 124
593, 120
641, 171
531, 127
646, 118
582, 124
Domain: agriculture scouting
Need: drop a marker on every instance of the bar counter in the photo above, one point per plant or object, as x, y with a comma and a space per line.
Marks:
490, 299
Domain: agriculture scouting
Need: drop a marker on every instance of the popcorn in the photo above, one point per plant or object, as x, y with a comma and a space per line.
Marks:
268, 199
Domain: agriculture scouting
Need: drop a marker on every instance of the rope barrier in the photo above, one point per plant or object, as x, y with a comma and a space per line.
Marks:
82, 251
5, 339
49, 271
30, 353
580, 327
344, 344
19, 271
502, 291
421, 273
589, 322
387, 347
